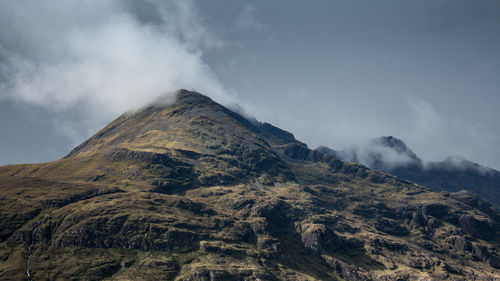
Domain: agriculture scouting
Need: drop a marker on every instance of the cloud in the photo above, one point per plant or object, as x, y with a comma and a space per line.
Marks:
429, 132
376, 154
379, 154
102, 57
461, 164
435, 135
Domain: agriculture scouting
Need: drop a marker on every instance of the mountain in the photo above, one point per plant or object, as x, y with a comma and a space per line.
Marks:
190, 190
453, 174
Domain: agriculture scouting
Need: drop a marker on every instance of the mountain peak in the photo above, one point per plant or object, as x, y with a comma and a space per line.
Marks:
184, 96
384, 153
395, 144
208, 142
392, 142
169, 122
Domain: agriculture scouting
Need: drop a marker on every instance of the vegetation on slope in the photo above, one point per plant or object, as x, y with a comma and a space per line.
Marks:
193, 191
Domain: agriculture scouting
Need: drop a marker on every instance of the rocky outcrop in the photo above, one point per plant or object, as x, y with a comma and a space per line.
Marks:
345, 270
320, 239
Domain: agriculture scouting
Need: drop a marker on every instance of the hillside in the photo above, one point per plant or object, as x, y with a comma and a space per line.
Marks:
191, 190
453, 174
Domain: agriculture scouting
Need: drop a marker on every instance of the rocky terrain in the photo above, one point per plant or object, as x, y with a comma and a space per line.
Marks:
453, 174
193, 191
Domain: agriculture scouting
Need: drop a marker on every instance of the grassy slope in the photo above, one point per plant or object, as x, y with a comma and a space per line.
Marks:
201, 195
242, 231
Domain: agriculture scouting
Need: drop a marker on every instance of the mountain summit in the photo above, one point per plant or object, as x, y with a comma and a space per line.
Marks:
382, 153
193, 122
397, 145
187, 189
194, 139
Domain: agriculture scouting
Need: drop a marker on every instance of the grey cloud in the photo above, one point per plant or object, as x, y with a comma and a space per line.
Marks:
436, 135
456, 162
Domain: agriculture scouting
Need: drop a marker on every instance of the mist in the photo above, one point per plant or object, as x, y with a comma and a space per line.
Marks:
376, 155
101, 58
431, 134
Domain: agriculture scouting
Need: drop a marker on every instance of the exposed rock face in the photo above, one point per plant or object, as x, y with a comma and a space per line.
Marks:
320, 239
193, 191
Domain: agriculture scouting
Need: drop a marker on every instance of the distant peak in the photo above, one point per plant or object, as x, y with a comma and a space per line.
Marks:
456, 161
327, 150
392, 142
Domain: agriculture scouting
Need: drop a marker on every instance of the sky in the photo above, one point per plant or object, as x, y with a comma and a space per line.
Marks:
332, 72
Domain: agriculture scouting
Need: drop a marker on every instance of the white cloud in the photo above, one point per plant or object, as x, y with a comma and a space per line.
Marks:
98, 57
430, 133
435, 135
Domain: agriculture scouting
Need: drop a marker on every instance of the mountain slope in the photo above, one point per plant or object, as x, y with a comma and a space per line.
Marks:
171, 147
193, 191
453, 174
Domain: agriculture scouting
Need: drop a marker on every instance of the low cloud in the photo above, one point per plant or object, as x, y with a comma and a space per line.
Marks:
378, 154
431, 134
102, 58
459, 163
435, 135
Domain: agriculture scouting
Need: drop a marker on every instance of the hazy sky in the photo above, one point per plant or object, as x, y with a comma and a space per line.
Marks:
331, 72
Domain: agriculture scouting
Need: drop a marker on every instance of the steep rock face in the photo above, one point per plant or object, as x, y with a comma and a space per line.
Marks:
453, 174
193, 191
